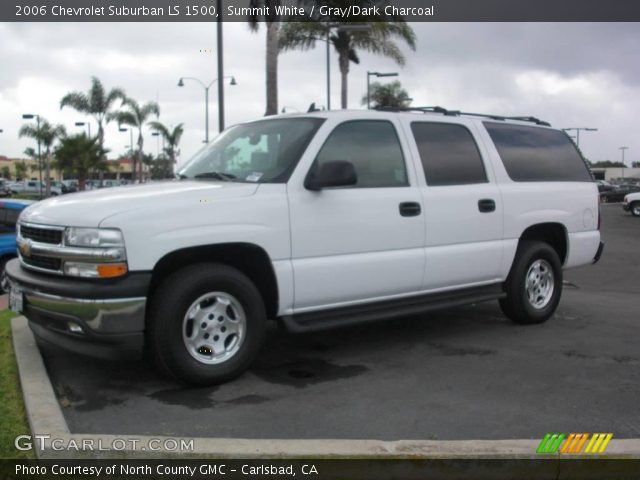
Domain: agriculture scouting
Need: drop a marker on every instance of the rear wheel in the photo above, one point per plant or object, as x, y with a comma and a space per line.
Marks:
534, 285
207, 324
634, 208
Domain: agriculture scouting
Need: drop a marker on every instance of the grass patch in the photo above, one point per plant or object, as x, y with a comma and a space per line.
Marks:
14, 419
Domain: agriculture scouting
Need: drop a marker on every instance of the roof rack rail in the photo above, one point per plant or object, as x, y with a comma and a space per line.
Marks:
456, 113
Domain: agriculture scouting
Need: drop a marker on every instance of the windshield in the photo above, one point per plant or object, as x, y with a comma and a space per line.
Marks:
266, 151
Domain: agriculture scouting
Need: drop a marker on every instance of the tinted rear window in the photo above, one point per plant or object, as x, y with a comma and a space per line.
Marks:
449, 154
533, 154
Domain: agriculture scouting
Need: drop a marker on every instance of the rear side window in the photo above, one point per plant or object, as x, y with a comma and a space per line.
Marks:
533, 154
372, 146
449, 154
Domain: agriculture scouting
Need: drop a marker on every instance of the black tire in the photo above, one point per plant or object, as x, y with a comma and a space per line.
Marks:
169, 307
634, 208
4, 282
517, 305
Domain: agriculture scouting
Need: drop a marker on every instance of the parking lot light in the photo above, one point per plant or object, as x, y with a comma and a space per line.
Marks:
31, 116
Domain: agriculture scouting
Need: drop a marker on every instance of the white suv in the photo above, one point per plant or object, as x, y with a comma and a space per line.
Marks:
317, 220
631, 203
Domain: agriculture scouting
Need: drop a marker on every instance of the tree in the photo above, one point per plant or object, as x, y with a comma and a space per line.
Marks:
80, 155
272, 23
607, 164
136, 116
97, 102
387, 95
635, 164
378, 38
171, 140
21, 170
46, 135
6, 172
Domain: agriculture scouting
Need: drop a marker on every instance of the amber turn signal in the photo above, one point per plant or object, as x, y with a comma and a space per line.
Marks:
108, 270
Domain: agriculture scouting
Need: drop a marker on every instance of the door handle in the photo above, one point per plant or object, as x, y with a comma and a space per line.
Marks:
410, 209
486, 205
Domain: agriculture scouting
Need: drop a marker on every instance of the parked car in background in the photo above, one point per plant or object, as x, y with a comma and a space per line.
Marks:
5, 190
631, 203
59, 185
604, 186
618, 193
32, 188
9, 212
71, 185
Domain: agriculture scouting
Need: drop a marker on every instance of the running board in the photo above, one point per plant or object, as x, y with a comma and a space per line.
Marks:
389, 309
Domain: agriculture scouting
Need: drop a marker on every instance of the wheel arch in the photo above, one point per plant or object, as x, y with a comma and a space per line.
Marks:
250, 259
553, 233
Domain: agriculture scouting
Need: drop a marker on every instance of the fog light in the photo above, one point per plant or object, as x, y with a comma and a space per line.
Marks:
95, 270
74, 328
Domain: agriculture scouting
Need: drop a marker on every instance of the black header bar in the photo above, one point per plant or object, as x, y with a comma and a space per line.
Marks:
362, 11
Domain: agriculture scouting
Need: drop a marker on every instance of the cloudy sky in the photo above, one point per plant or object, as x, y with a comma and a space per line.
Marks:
573, 75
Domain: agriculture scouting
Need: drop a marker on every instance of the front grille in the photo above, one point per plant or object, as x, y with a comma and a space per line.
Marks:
46, 263
42, 235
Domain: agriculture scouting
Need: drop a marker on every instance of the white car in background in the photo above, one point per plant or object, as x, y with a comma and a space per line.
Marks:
631, 203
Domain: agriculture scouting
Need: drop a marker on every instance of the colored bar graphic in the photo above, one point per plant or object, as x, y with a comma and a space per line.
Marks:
550, 443
574, 442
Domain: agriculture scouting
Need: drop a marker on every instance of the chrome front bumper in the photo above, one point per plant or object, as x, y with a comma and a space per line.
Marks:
103, 327
100, 316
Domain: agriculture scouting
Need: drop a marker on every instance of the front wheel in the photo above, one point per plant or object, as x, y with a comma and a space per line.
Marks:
634, 208
534, 285
207, 324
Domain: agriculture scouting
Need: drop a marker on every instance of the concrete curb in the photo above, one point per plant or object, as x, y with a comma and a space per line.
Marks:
46, 418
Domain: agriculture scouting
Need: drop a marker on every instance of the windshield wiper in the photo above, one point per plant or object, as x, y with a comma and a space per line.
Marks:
227, 177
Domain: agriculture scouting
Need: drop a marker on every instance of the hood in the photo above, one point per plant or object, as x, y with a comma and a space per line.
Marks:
89, 209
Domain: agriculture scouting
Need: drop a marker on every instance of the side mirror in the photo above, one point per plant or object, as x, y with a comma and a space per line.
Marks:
337, 173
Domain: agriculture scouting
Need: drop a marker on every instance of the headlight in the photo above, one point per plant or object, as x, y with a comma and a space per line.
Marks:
93, 237
106, 261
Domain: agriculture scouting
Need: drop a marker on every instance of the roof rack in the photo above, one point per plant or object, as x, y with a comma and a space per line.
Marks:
457, 113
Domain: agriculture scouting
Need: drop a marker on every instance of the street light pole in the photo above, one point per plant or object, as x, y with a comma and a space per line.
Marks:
624, 165
30, 116
82, 124
220, 70
377, 75
206, 98
157, 135
130, 144
578, 129
328, 71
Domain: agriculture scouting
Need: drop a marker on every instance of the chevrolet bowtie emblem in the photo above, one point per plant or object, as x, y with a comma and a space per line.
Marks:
25, 248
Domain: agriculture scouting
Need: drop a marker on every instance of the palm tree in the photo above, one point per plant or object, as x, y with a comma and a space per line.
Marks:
46, 135
171, 140
21, 170
387, 95
80, 155
272, 22
136, 116
97, 102
34, 165
378, 38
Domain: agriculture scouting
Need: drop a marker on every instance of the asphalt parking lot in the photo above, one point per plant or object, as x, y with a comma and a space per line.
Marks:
465, 373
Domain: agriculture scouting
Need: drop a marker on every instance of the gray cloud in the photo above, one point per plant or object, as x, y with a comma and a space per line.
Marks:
576, 74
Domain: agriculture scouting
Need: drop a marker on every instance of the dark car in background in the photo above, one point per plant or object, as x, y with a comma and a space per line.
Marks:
618, 192
9, 213
5, 189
